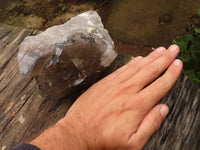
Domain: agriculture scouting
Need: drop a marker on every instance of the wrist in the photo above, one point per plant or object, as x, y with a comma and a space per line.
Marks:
62, 136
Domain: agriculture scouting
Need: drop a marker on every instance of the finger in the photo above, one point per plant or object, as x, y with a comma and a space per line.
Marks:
159, 88
133, 68
121, 69
151, 71
151, 123
105, 82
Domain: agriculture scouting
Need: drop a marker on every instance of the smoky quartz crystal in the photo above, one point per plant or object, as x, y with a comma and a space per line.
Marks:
67, 55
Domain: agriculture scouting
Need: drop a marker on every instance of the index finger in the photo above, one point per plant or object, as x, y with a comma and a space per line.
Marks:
160, 87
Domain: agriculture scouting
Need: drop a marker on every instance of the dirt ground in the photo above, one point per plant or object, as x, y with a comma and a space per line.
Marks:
40, 14
150, 22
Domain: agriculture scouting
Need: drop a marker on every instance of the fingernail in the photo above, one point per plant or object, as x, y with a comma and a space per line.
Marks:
164, 111
173, 48
177, 62
160, 49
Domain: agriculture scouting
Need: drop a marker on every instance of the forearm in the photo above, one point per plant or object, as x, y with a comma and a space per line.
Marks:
59, 137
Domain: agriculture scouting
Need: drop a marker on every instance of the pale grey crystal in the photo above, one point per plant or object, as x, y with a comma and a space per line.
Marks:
64, 56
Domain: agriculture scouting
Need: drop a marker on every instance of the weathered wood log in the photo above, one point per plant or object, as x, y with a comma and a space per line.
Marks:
24, 113
180, 130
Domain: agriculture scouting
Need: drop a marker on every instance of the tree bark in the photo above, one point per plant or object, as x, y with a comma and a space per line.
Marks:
24, 113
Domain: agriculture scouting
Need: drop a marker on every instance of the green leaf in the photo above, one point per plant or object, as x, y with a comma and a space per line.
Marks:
197, 30
60, 4
188, 37
190, 50
197, 81
196, 53
195, 43
194, 57
186, 56
180, 42
198, 12
191, 74
63, 8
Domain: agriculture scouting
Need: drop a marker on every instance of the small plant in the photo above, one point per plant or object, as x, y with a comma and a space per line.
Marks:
190, 50
62, 7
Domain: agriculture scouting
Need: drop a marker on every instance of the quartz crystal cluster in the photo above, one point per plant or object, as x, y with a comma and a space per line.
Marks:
66, 55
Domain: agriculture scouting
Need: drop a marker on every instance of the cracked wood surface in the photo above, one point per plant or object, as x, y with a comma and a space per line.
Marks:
24, 114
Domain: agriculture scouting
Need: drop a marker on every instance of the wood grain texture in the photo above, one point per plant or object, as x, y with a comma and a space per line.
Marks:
180, 130
24, 113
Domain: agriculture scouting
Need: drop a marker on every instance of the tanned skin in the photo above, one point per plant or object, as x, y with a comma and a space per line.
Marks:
120, 111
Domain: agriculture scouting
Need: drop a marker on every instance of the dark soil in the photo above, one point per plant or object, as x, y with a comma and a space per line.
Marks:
40, 14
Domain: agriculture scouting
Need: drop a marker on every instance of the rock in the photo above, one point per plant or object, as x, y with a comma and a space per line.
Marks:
67, 55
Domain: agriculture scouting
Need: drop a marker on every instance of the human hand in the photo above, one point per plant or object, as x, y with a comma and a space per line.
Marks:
119, 111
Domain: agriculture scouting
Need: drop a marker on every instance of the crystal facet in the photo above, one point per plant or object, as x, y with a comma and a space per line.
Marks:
64, 56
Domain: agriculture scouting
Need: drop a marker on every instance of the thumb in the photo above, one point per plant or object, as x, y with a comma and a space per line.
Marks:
151, 122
